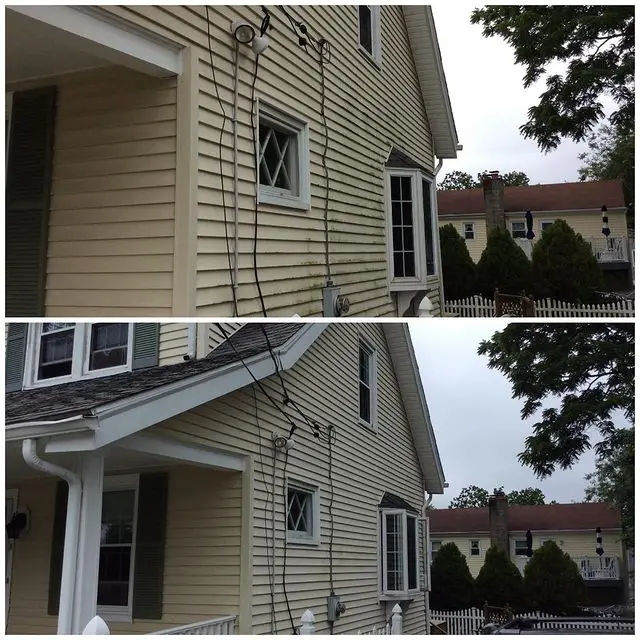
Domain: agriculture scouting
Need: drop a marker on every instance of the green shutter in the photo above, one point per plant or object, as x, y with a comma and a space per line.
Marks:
28, 193
146, 336
57, 547
150, 546
16, 349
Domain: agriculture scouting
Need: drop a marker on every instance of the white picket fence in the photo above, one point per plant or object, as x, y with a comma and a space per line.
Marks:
392, 628
468, 621
479, 307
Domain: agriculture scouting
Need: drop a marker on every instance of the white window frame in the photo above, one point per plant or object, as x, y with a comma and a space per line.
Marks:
471, 554
80, 358
119, 483
524, 229
543, 540
382, 522
297, 537
432, 541
420, 279
515, 547
363, 343
543, 222
296, 126
473, 230
376, 35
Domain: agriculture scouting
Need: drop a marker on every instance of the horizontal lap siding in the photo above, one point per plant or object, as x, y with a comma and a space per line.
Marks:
589, 225
464, 545
367, 110
111, 225
581, 545
174, 342
365, 465
215, 336
202, 560
475, 246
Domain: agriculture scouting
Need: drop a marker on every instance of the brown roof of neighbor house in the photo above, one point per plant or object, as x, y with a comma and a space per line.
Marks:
545, 517
541, 197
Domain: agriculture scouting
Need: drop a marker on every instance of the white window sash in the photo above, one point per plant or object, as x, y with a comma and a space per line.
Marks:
123, 483
86, 356
368, 348
375, 55
298, 537
405, 553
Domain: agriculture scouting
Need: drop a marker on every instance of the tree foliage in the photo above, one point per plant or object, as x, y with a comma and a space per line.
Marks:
552, 581
503, 265
474, 496
613, 479
611, 156
458, 269
597, 45
564, 267
459, 180
578, 380
499, 582
452, 585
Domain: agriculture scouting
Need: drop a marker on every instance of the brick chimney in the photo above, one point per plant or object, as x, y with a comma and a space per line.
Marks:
493, 187
499, 520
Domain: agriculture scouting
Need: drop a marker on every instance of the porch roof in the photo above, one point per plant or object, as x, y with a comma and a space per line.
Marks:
82, 397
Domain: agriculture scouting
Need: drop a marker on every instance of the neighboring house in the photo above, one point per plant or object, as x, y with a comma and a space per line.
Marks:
191, 496
571, 526
115, 200
473, 211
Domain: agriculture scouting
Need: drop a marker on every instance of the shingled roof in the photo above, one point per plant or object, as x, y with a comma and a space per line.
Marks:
544, 517
83, 396
566, 196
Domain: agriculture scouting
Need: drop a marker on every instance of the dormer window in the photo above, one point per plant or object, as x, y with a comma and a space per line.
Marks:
64, 351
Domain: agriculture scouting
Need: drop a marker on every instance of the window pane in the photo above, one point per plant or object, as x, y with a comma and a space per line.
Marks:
408, 239
56, 350
366, 40
117, 517
299, 511
394, 552
278, 157
109, 344
365, 403
402, 227
407, 213
395, 188
406, 188
412, 578
364, 364
428, 228
113, 576
521, 547
398, 264
409, 264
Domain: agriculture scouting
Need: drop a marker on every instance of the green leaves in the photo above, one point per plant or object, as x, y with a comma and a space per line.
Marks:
452, 586
597, 44
499, 581
474, 496
458, 269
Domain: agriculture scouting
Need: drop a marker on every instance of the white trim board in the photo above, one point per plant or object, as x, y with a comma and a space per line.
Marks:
101, 34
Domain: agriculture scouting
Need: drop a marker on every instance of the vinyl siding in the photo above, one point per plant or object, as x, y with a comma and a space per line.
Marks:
215, 337
368, 109
174, 342
111, 224
463, 542
202, 561
365, 465
475, 246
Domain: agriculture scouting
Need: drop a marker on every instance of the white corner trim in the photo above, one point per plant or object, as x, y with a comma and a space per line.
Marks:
99, 33
183, 452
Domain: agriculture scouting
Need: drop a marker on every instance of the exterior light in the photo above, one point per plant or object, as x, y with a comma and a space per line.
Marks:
242, 31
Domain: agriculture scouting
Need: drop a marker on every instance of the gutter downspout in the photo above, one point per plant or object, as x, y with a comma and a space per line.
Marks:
70, 557
427, 606
435, 175
234, 121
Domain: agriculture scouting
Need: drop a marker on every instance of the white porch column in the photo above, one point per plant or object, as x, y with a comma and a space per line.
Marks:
91, 471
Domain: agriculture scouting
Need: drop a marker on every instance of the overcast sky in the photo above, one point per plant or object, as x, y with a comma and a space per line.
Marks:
477, 424
489, 103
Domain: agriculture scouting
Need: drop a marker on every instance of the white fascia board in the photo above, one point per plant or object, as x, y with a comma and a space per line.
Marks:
130, 415
41, 428
97, 32
167, 448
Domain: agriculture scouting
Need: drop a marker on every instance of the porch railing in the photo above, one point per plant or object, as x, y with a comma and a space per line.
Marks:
591, 568
604, 249
216, 627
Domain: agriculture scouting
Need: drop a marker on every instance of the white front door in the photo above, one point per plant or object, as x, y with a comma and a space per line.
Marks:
11, 504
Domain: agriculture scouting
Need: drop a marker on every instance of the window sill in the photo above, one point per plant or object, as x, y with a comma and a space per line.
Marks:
307, 542
283, 201
407, 285
370, 58
404, 597
100, 373
368, 425
111, 615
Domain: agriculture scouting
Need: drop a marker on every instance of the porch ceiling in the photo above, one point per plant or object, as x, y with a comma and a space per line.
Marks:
50, 51
117, 459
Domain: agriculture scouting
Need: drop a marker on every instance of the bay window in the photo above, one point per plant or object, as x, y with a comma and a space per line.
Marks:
411, 228
399, 551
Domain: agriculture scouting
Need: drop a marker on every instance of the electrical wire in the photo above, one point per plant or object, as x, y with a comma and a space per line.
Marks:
325, 169
294, 630
331, 492
222, 128
270, 499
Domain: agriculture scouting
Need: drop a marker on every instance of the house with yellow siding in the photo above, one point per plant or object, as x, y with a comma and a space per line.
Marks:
198, 161
579, 204
571, 526
215, 479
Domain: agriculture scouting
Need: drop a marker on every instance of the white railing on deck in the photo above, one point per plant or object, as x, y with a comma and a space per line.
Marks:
604, 249
216, 627
605, 568
479, 307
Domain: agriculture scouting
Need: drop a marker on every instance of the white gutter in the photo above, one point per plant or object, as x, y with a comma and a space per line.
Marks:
436, 232
70, 557
45, 428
